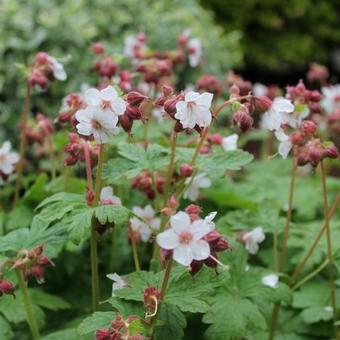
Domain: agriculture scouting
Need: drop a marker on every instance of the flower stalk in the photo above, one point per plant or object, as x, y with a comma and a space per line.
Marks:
28, 305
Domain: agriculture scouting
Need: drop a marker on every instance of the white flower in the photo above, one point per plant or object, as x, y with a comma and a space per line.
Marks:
252, 239
185, 239
57, 69
199, 181
100, 117
260, 89
277, 114
270, 280
331, 100
209, 220
7, 158
133, 45
118, 282
194, 109
230, 143
108, 198
195, 51
144, 229
285, 144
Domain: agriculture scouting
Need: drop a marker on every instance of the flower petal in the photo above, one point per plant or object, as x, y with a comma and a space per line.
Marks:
92, 97
200, 228
200, 250
180, 222
168, 239
183, 255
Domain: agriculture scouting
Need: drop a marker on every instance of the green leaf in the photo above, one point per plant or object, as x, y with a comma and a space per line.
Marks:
95, 321
19, 217
67, 334
317, 314
126, 308
48, 301
62, 197
170, 323
5, 329
80, 224
215, 165
231, 317
112, 213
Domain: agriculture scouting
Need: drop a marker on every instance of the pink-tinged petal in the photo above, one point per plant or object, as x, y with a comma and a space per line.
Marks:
168, 239
204, 100
106, 193
183, 255
180, 222
200, 228
92, 97
84, 115
191, 96
119, 106
200, 250
181, 108
282, 105
85, 129
108, 94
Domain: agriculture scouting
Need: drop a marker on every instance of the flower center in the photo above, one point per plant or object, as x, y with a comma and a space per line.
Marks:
191, 105
105, 104
95, 124
185, 237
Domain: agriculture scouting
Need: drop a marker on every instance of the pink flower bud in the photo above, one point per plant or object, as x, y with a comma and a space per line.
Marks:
6, 287
89, 197
215, 138
71, 160
38, 273
173, 202
135, 98
42, 58
186, 170
243, 119
167, 211
193, 209
167, 90
234, 90
97, 48
330, 151
134, 112
103, 334
308, 127
296, 138
151, 297
263, 103
125, 122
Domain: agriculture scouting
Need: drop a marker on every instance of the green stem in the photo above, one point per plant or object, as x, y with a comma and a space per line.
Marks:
329, 244
23, 127
276, 310
135, 254
310, 275
166, 278
28, 306
94, 245
310, 251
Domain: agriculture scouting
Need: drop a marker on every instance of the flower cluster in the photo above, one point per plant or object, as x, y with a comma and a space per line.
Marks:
45, 69
70, 105
32, 263
144, 183
119, 330
192, 240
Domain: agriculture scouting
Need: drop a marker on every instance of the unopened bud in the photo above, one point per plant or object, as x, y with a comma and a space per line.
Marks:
308, 127
263, 103
234, 91
215, 138
89, 197
186, 170
134, 112
135, 98
6, 287
126, 122
97, 48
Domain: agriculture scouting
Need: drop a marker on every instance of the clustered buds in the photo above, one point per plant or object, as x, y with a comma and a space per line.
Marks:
119, 330
71, 104
45, 69
75, 150
210, 84
143, 182
32, 263
243, 119
106, 67
6, 287
244, 86
133, 110
155, 71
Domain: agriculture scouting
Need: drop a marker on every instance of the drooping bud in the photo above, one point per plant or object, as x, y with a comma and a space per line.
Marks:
103, 334
193, 209
308, 127
186, 170
126, 122
6, 287
135, 98
173, 202
97, 48
234, 91
134, 112
243, 119
330, 151
263, 103
151, 298
215, 138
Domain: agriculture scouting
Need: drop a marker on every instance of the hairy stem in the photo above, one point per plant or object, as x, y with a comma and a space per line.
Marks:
166, 278
329, 242
22, 148
28, 305
88, 166
310, 251
276, 310
94, 245
135, 254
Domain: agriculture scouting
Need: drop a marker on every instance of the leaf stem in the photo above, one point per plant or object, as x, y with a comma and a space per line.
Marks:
94, 245
22, 147
310, 251
329, 243
28, 305
135, 254
88, 166
166, 278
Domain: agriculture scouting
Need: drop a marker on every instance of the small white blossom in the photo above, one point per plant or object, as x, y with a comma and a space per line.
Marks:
194, 109
100, 117
331, 100
132, 46
260, 89
199, 181
57, 69
285, 144
278, 113
118, 282
108, 198
195, 51
144, 229
7, 158
230, 143
252, 239
185, 238
270, 280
